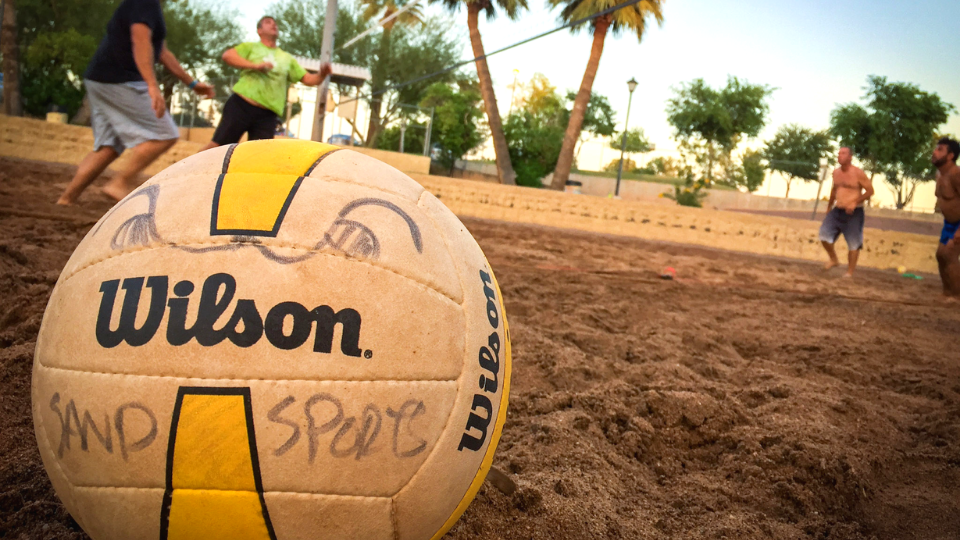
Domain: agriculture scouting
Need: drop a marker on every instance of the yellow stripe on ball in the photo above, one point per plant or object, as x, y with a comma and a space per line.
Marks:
213, 474
259, 181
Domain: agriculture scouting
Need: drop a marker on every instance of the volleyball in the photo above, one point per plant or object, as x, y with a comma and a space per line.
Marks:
278, 339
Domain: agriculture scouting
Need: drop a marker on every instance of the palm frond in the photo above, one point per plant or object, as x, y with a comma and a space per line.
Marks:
631, 18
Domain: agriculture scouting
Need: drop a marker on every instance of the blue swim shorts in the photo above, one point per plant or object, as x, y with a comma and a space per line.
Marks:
949, 230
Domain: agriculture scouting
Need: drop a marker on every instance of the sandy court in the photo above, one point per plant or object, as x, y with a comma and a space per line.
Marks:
753, 397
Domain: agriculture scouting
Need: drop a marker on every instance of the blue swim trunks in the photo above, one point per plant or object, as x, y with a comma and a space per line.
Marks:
949, 229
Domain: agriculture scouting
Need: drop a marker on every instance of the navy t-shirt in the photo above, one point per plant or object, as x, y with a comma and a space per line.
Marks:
113, 62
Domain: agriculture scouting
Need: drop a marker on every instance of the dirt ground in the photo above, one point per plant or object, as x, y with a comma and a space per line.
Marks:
750, 398
915, 226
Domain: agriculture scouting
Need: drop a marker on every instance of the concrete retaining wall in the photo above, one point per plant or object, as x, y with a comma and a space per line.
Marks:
27, 138
38, 140
650, 192
763, 235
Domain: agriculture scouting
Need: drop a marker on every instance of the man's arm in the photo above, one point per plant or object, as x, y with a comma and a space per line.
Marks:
867, 186
232, 58
833, 197
170, 62
140, 35
314, 79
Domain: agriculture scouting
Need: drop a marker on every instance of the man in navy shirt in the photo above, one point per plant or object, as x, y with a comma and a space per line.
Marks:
128, 109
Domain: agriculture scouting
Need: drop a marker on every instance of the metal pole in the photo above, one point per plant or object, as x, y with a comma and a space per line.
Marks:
326, 55
403, 131
426, 138
623, 145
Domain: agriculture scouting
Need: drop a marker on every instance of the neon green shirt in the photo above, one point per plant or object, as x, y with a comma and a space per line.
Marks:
268, 89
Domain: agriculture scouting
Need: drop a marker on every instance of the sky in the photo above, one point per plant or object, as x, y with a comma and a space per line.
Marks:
816, 54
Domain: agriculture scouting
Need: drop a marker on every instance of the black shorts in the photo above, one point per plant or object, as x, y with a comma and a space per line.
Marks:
840, 222
240, 117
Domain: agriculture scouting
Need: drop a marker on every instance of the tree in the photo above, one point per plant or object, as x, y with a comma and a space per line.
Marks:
457, 119
637, 142
381, 66
599, 120
709, 123
413, 138
301, 31
511, 8
534, 133
893, 134
52, 68
412, 53
753, 171
629, 165
58, 39
748, 174
796, 152
198, 34
11, 59
632, 18
663, 166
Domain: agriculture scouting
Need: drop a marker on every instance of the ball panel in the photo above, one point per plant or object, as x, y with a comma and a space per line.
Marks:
322, 217
344, 438
462, 456
353, 168
314, 321
112, 513
204, 167
103, 430
309, 517
356, 438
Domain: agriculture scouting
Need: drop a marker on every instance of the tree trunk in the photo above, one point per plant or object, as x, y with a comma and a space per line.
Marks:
504, 167
562, 171
787, 195
12, 105
374, 126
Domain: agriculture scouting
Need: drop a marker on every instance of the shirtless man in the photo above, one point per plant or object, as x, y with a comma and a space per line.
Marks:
851, 188
948, 196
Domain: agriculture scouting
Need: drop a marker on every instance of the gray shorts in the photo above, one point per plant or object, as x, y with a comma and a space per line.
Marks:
122, 116
839, 221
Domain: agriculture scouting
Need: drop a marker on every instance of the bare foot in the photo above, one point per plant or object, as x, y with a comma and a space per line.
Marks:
115, 192
848, 275
63, 201
831, 264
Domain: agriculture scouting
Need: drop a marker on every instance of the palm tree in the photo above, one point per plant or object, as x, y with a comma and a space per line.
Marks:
11, 59
384, 9
633, 18
512, 9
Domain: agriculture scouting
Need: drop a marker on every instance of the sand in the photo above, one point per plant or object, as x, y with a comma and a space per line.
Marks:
752, 397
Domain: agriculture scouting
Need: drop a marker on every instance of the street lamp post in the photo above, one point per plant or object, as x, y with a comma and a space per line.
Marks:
632, 85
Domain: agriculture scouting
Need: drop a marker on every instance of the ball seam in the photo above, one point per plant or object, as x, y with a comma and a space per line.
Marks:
130, 251
161, 488
233, 379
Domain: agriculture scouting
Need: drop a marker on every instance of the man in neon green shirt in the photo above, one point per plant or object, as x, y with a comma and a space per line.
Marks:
259, 97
